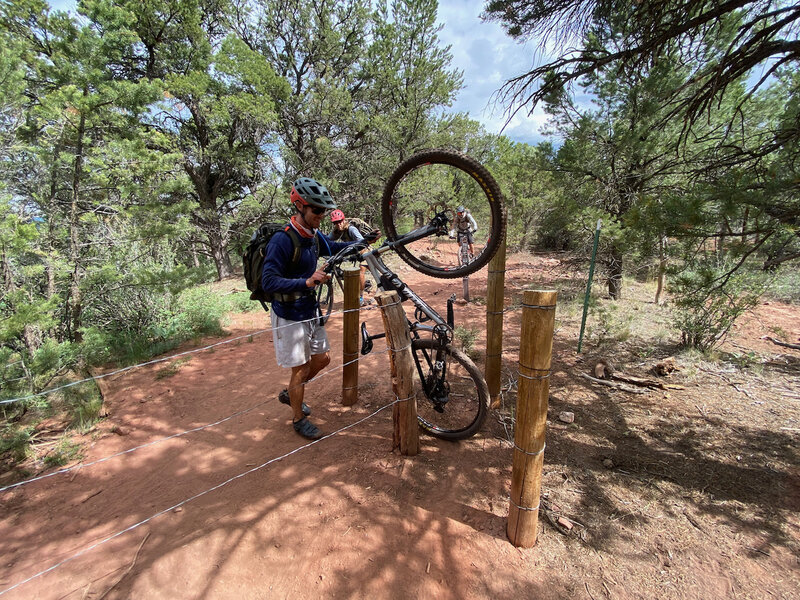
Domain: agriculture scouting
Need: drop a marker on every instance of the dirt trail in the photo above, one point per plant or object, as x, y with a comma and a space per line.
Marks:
701, 500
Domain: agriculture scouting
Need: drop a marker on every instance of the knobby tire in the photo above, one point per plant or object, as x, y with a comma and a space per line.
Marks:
479, 174
468, 407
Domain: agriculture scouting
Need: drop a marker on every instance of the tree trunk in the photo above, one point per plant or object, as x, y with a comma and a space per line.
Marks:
208, 220
219, 250
195, 258
614, 264
217, 243
76, 308
662, 268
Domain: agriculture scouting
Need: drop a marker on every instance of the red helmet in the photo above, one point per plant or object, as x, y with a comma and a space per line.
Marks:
337, 216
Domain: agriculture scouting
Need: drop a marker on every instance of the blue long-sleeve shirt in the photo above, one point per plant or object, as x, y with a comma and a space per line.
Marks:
279, 277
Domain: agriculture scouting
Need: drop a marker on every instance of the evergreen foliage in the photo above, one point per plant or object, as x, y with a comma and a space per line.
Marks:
142, 141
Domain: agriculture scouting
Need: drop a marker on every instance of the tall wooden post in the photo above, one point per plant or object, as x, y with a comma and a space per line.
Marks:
536, 347
352, 289
495, 292
404, 412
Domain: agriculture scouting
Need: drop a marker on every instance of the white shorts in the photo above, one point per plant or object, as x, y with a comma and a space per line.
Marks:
297, 341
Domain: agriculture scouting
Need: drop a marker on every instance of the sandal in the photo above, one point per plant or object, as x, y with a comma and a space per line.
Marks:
283, 398
307, 429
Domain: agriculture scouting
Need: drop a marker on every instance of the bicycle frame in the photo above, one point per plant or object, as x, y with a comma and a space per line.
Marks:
435, 386
435, 358
388, 280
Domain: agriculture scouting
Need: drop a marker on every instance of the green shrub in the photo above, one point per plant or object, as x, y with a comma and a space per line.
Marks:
466, 336
607, 324
198, 313
64, 452
184, 316
240, 302
83, 403
786, 285
15, 440
708, 300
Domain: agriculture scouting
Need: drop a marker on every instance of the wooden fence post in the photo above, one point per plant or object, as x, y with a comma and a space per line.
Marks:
404, 412
535, 353
352, 289
495, 292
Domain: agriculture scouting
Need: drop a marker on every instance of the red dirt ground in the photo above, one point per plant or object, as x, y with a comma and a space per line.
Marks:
691, 493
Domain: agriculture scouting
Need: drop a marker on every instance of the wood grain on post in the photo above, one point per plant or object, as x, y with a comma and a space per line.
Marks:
535, 354
495, 292
404, 412
352, 290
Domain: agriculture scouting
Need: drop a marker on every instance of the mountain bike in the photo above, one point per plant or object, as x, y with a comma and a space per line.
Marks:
417, 207
464, 256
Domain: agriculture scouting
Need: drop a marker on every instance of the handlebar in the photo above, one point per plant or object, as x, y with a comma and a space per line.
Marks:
437, 226
352, 252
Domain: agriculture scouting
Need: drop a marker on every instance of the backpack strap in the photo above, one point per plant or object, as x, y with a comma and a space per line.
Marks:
295, 237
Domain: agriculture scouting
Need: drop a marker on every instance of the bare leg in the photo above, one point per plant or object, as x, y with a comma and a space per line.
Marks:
317, 363
298, 380
297, 389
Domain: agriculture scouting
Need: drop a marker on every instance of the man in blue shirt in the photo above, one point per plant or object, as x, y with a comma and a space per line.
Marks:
301, 342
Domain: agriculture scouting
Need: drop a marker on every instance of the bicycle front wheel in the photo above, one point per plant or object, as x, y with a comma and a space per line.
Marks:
453, 405
441, 181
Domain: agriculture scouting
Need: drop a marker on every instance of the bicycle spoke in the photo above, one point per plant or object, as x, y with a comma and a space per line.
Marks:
434, 182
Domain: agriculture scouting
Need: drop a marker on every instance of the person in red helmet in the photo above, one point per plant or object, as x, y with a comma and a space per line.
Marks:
300, 340
345, 230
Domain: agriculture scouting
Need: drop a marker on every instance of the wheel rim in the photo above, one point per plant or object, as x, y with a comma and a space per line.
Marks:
438, 182
462, 414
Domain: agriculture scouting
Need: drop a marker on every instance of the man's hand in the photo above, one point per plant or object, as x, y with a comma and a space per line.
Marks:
317, 278
372, 236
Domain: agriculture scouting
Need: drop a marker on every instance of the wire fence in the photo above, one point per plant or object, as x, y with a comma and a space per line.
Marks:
195, 497
206, 491
164, 359
188, 431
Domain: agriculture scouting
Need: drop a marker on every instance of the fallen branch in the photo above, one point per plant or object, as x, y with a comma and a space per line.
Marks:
618, 386
646, 382
728, 381
128, 570
780, 343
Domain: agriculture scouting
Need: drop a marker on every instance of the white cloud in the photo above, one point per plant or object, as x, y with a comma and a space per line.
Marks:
488, 58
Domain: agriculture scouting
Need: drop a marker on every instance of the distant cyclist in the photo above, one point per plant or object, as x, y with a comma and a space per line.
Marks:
347, 230
464, 225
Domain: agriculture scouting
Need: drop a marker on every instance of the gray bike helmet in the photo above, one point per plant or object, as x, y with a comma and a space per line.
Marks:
460, 209
311, 192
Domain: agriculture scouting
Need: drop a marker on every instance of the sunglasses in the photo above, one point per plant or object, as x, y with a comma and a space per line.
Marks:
317, 210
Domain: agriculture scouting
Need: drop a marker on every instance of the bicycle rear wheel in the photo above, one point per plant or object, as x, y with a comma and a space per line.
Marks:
436, 181
453, 407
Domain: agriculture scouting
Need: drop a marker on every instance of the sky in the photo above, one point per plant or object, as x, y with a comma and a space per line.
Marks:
486, 56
